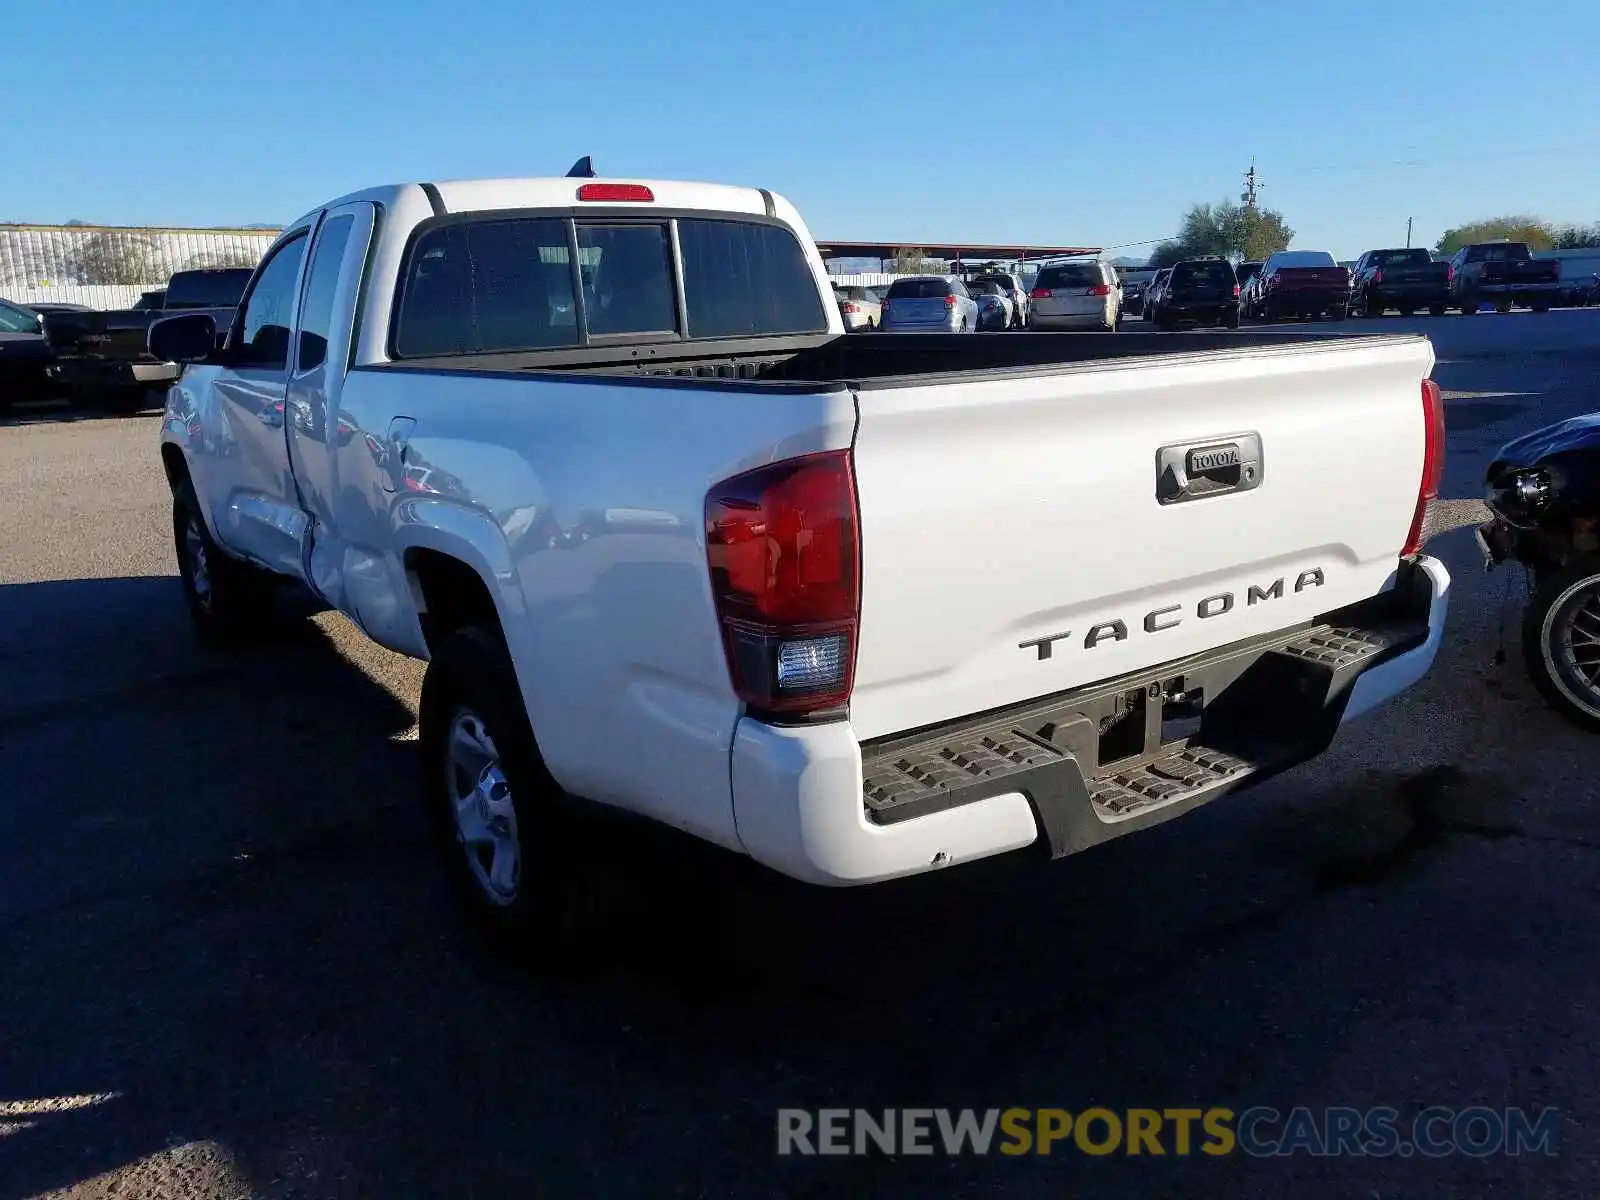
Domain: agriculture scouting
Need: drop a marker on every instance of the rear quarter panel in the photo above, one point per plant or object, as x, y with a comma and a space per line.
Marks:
582, 506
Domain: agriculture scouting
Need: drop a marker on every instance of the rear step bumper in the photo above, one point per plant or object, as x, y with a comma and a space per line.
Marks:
1082, 767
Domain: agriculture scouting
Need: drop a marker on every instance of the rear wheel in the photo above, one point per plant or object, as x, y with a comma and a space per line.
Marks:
511, 844
1502, 306
1436, 310
1231, 320
1406, 310
1469, 306
1540, 306
1374, 307
1561, 642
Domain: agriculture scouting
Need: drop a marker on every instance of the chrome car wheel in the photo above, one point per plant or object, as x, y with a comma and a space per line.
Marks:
485, 818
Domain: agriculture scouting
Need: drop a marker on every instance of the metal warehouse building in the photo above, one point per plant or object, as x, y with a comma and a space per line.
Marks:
108, 266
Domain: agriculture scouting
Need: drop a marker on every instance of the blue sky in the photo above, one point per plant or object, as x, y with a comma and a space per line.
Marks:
1015, 121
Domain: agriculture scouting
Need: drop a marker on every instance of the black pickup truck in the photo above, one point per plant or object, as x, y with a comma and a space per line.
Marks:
1406, 280
99, 354
1505, 274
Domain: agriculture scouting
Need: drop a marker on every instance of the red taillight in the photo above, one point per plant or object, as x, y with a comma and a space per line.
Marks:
1377, 276
1100, 289
950, 301
782, 545
627, 192
1040, 294
1236, 291
1449, 272
1432, 462
850, 308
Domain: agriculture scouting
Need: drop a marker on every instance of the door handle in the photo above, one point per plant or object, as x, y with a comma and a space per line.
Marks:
1213, 467
400, 436
398, 444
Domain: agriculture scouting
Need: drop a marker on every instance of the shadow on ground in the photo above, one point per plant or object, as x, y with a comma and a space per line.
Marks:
230, 921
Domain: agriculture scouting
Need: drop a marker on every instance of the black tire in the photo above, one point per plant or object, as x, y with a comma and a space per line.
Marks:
1469, 307
1540, 306
1375, 308
1231, 320
1407, 310
552, 907
1436, 310
1502, 306
230, 602
1269, 315
1565, 605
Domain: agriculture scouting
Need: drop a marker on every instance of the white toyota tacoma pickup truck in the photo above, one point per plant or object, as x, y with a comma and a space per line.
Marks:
855, 606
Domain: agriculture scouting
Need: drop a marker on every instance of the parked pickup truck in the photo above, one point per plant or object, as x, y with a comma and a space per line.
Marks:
1401, 279
1504, 274
106, 353
1297, 283
858, 607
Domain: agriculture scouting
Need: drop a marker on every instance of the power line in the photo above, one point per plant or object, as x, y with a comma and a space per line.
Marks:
1442, 160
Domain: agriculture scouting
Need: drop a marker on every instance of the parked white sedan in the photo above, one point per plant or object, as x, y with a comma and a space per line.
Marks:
859, 307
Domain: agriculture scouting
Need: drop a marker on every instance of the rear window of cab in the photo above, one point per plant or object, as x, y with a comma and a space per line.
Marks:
509, 282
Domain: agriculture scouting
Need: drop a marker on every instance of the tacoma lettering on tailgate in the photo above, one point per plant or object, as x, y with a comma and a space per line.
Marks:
1173, 615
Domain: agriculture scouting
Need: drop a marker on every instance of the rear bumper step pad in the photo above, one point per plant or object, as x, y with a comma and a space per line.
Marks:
1266, 705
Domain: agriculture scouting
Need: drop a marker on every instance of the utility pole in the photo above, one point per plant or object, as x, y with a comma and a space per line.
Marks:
1249, 193
1408, 233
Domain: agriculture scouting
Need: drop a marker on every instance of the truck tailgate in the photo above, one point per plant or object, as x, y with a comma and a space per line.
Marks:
1013, 543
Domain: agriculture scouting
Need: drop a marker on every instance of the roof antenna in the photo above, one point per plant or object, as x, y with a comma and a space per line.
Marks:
582, 169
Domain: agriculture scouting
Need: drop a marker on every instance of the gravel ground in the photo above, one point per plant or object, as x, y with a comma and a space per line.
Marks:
229, 967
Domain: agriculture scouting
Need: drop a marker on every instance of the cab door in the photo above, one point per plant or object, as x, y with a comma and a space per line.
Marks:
315, 430
250, 490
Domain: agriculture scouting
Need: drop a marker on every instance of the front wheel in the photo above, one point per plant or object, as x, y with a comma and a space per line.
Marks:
1561, 642
230, 602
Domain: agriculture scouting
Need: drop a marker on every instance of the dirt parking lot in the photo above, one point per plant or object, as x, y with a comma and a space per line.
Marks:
229, 966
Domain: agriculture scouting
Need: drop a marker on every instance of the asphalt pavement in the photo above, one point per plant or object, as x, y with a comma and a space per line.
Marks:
229, 966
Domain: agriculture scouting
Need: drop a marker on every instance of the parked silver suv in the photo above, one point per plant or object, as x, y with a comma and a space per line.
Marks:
1075, 295
928, 304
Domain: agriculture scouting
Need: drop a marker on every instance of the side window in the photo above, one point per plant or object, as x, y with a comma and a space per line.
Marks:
268, 313
316, 313
629, 287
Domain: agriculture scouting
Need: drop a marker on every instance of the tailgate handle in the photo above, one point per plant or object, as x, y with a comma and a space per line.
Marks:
1214, 466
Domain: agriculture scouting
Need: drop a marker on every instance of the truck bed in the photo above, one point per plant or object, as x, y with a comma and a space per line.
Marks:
866, 361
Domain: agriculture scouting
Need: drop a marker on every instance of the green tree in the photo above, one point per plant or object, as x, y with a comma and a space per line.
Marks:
911, 260
1518, 228
1226, 230
1167, 253
1577, 237
1261, 231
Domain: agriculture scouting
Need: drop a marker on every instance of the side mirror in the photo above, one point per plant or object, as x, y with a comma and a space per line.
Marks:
191, 338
